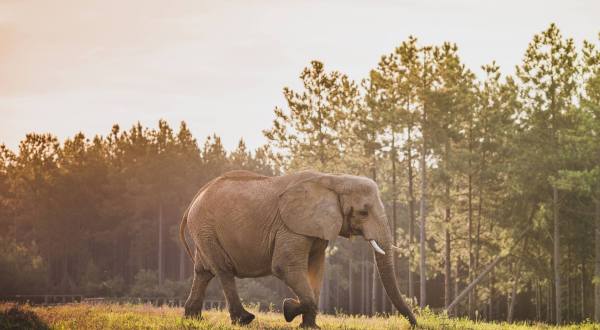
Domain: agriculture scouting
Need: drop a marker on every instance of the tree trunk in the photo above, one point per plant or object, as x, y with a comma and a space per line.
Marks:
478, 231
160, 245
492, 283
394, 216
556, 256
65, 282
363, 283
550, 304
411, 213
366, 295
481, 276
337, 295
538, 301
374, 292
470, 222
324, 294
569, 287
182, 259
350, 287
470, 287
394, 191
491, 297
447, 248
447, 263
582, 288
513, 297
596, 279
456, 282
513, 294
422, 210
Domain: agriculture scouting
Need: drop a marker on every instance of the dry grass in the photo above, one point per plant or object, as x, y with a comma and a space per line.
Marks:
83, 316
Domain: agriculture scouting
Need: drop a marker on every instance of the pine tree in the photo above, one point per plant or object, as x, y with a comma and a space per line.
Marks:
582, 142
548, 76
309, 132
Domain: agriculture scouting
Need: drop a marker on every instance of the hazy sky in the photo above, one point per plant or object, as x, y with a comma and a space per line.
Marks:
67, 66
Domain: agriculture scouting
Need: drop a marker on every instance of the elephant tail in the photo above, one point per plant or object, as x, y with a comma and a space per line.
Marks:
184, 219
182, 233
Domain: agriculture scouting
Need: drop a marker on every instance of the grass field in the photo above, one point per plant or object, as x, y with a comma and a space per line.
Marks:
83, 316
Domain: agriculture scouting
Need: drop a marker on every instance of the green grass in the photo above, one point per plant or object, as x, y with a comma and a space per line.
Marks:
84, 316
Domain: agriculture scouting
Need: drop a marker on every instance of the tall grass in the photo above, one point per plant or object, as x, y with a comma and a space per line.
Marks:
85, 316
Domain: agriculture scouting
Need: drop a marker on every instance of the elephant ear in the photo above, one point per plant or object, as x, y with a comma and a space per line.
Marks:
311, 209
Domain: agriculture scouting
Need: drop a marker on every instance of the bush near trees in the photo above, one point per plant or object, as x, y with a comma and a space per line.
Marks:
466, 161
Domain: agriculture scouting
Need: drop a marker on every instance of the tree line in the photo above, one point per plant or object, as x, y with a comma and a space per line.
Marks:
100, 216
489, 179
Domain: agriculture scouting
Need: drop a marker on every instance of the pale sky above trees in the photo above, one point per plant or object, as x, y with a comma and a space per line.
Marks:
67, 66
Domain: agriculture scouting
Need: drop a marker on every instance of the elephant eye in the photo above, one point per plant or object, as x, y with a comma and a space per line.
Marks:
363, 213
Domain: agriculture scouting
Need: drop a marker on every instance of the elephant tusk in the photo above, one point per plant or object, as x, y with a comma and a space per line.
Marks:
376, 247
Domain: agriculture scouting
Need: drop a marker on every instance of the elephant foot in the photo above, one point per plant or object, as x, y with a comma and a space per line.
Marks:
309, 321
193, 312
313, 325
413, 322
244, 318
291, 309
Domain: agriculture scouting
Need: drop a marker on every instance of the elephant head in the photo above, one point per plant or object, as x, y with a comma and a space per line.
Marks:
326, 206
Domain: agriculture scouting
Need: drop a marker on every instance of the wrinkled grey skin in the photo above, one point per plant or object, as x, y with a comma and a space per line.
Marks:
247, 225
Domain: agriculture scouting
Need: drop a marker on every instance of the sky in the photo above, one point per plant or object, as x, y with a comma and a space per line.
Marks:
220, 66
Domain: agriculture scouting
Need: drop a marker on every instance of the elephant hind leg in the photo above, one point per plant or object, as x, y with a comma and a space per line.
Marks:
202, 276
219, 263
316, 267
237, 312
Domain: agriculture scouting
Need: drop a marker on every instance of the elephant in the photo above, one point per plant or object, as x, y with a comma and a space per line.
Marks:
245, 224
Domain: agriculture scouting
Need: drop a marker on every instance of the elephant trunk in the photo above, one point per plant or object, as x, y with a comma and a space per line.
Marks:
385, 266
380, 237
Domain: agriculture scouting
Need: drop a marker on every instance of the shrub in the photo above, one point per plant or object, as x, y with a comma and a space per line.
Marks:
145, 284
15, 317
176, 289
23, 271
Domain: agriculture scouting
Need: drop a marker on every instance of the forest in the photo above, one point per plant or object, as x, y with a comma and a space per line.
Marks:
491, 181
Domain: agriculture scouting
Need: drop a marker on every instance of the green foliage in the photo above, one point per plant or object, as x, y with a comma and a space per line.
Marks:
494, 148
23, 270
93, 285
258, 291
311, 129
145, 284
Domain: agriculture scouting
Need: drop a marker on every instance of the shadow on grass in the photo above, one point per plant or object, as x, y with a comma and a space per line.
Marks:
15, 317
